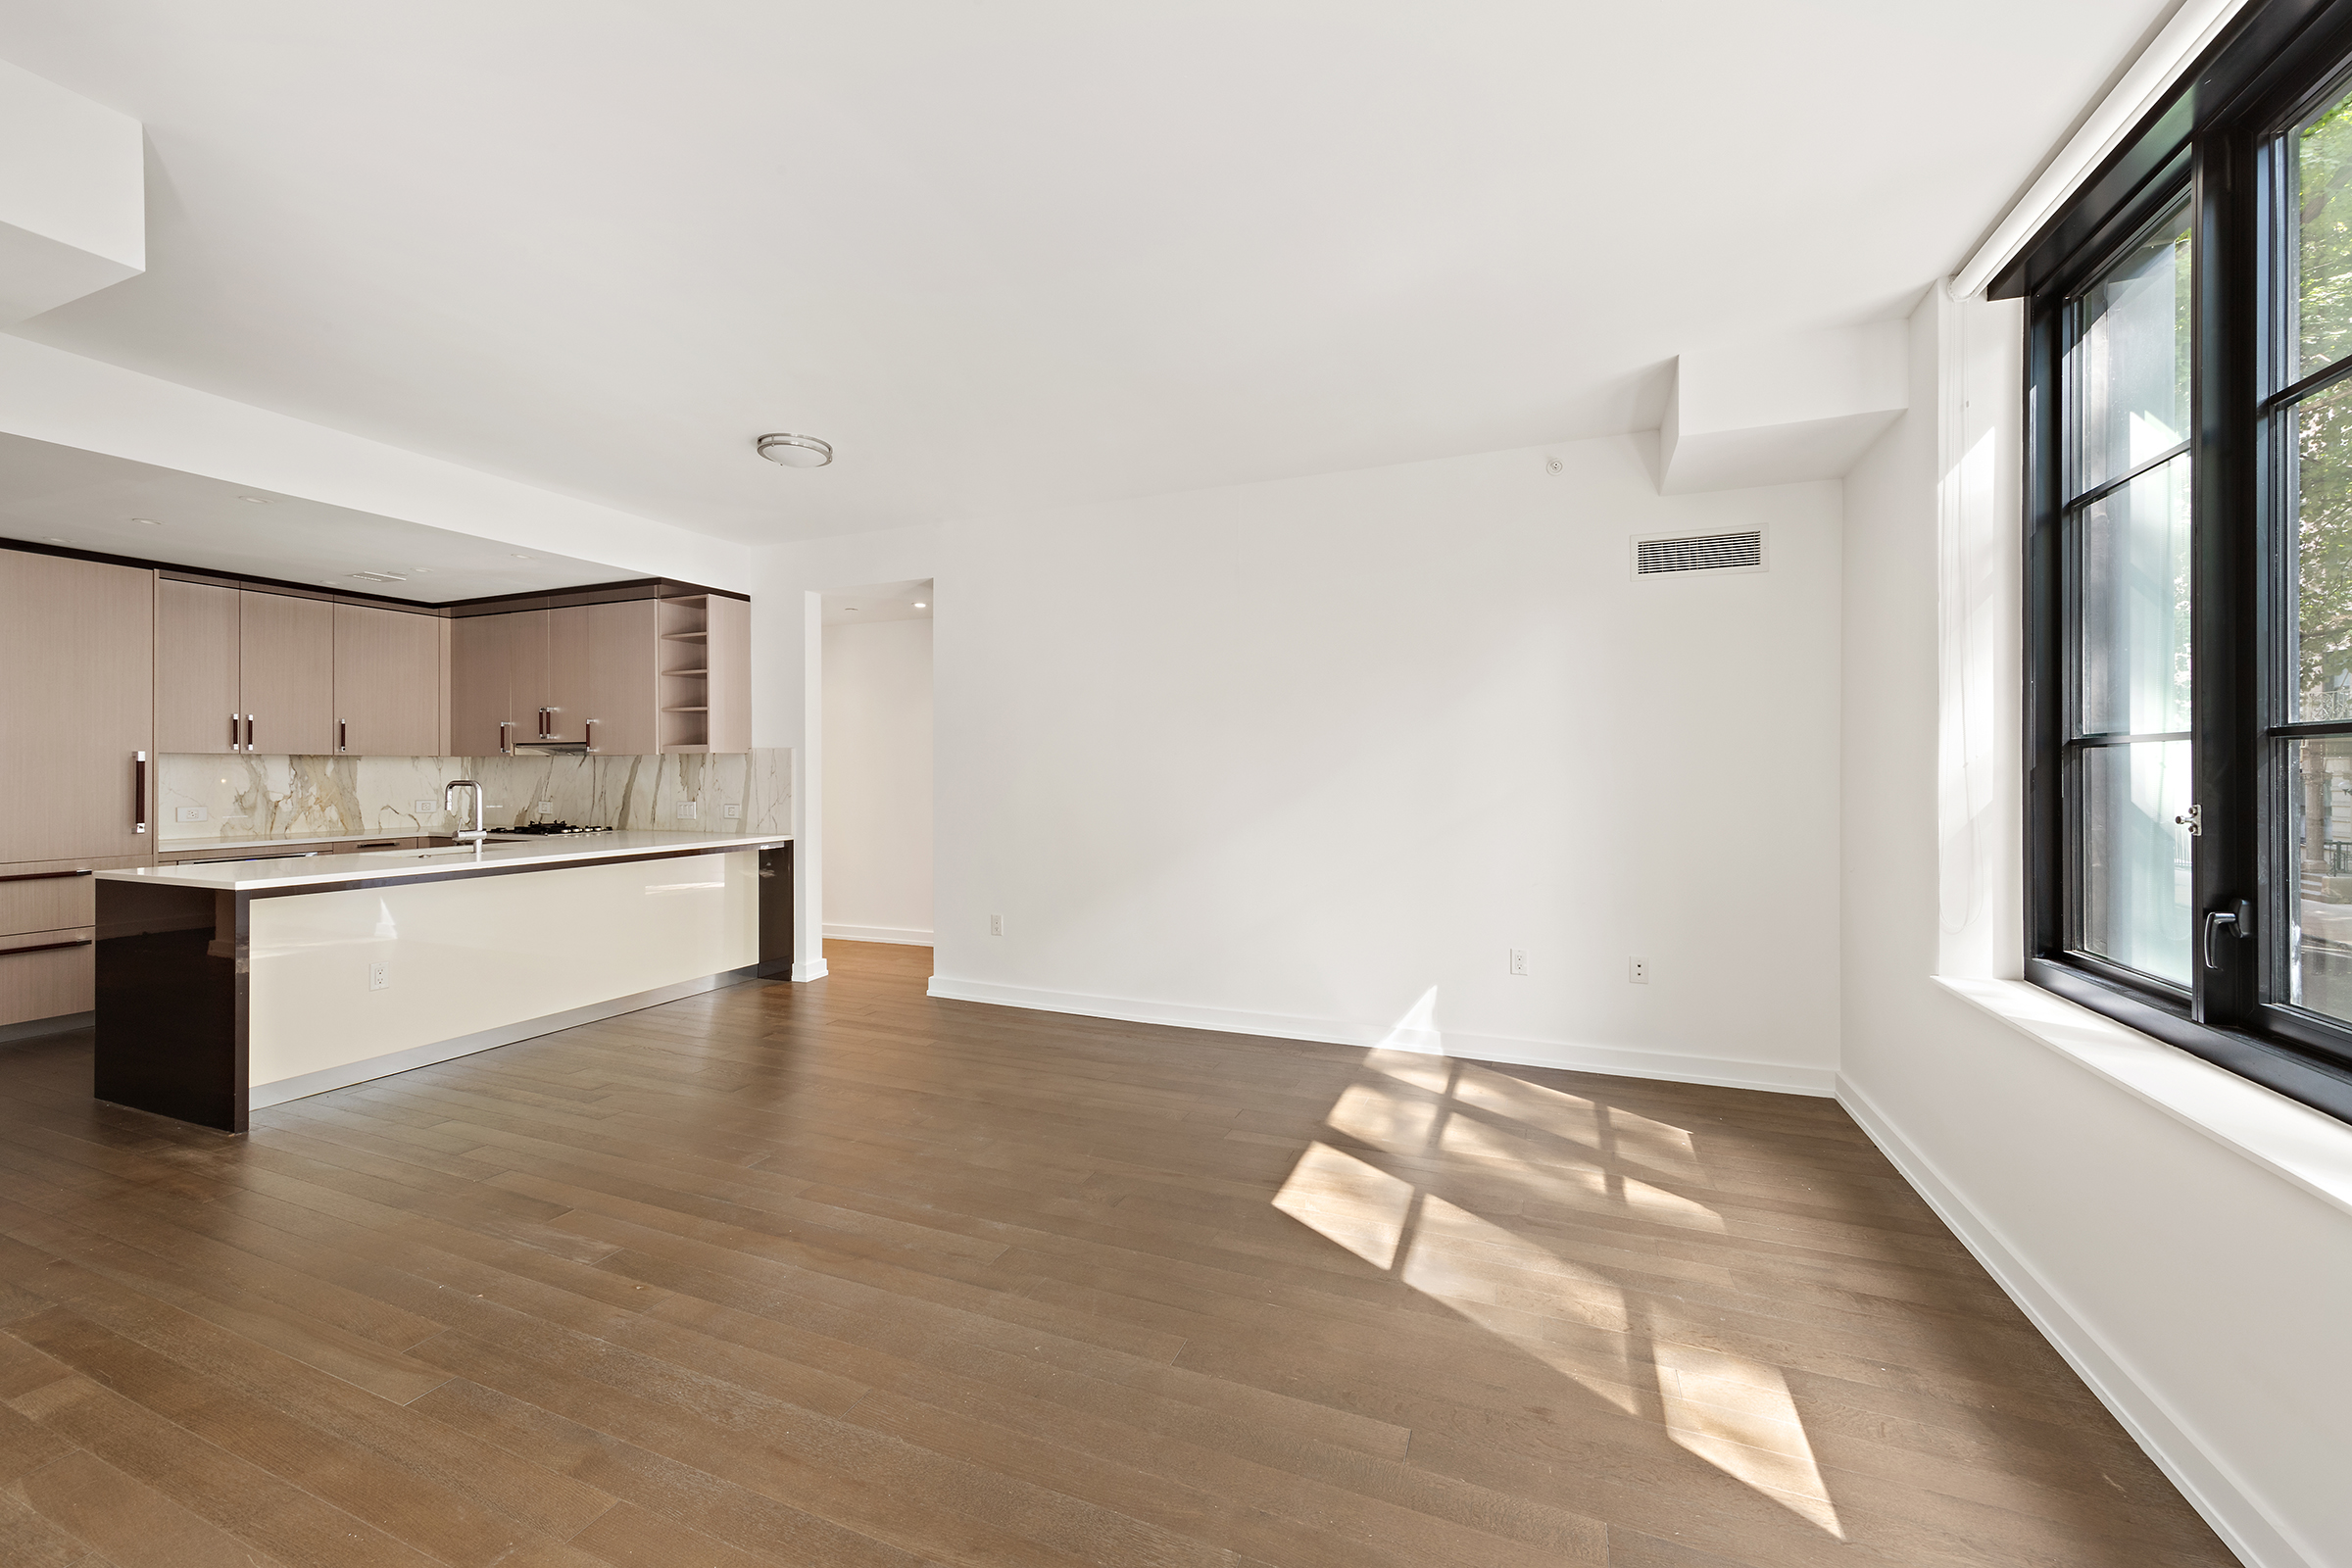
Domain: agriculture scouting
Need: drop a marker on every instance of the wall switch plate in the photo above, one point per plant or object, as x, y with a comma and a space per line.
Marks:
684, 808
733, 811
996, 925
1636, 971
190, 813
423, 807
379, 976
1518, 961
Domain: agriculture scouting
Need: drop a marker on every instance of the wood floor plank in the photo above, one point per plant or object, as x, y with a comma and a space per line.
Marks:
842, 1273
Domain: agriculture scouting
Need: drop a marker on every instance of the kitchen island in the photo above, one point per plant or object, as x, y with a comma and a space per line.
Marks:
230, 986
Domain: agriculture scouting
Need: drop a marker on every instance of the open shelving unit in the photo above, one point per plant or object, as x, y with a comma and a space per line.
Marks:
685, 666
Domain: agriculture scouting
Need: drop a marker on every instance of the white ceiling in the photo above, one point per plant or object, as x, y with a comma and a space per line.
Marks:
879, 600
1035, 251
65, 495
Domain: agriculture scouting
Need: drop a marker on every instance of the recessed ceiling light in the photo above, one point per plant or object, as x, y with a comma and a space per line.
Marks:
258, 501
54, 539
795, 451
521, 557
919, 605
149, 521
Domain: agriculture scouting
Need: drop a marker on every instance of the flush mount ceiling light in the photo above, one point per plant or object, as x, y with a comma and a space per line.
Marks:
795, 451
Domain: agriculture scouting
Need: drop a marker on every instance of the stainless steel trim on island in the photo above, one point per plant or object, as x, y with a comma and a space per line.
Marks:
225, 986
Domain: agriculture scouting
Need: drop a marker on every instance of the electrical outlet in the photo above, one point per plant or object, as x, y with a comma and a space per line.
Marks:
424, 808
734, 810
1518, 961
379, 976
684, 808
190, 813
996, 925
1636, 971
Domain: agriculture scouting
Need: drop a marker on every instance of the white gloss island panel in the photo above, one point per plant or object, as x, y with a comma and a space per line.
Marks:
463, 956
266, 875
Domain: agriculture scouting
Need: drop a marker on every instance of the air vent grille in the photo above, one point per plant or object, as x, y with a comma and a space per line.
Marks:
1708, 551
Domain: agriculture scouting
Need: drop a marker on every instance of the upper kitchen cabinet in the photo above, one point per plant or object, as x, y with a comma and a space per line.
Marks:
287, 672
610, 685
78, 687
197, 708
390, 698
629, 676
480, 678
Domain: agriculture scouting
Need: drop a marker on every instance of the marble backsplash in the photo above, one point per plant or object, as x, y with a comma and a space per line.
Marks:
256, 796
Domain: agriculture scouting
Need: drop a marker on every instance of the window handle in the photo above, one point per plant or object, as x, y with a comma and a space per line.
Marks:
2237, 920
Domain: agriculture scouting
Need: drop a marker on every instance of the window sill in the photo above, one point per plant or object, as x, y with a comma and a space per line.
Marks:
2306, 1147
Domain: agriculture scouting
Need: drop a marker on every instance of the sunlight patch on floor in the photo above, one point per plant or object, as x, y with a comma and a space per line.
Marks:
1360, 1206
1760, 1441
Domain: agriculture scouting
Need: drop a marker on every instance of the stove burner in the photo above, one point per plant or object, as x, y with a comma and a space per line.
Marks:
537, 828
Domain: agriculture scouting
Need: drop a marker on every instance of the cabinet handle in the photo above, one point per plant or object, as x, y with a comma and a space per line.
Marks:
40, 876
504, 725
139, 792
588, 733
249, 732
232, 730
342, 734
47, 947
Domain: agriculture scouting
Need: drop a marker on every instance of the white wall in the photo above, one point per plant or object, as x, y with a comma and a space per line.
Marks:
877, 785
2202, 1294
1309, 757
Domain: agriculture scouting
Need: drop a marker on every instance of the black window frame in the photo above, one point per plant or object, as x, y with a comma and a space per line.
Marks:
2211, 138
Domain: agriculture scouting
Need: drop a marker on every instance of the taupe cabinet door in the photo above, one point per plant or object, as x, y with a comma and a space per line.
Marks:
78, 689
729, 658
387, 683
479, 685
287, 672
196, 704
529, 672
614, 684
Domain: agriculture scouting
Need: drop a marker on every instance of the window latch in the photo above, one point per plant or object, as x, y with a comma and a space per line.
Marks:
2194, 821
2237, 920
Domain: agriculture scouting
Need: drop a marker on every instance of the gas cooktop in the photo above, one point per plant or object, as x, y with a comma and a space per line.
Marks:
537, 829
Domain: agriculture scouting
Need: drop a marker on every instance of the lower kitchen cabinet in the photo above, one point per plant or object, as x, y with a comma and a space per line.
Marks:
48, 923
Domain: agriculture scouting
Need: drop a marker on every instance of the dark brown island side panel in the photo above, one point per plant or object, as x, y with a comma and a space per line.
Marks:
170, 1002
775, 914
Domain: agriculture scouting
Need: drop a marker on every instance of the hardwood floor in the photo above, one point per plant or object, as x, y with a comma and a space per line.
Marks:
838, 1274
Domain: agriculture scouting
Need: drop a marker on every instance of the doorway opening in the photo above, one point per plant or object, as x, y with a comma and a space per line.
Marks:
875, 826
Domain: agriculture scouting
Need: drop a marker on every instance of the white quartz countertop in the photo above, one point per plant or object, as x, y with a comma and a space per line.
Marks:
253, 876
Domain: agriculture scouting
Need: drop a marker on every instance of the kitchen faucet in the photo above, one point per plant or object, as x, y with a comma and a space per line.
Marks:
478, 833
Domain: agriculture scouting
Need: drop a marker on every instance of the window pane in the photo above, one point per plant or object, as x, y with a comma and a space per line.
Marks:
2133, 859
2323, 255
2131, 609
2320, 945
2128, 369
2324, 555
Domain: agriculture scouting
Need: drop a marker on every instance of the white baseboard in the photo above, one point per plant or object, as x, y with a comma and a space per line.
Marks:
813, 969
303, 1085
1616, 1060
2241, 1523
879, 933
